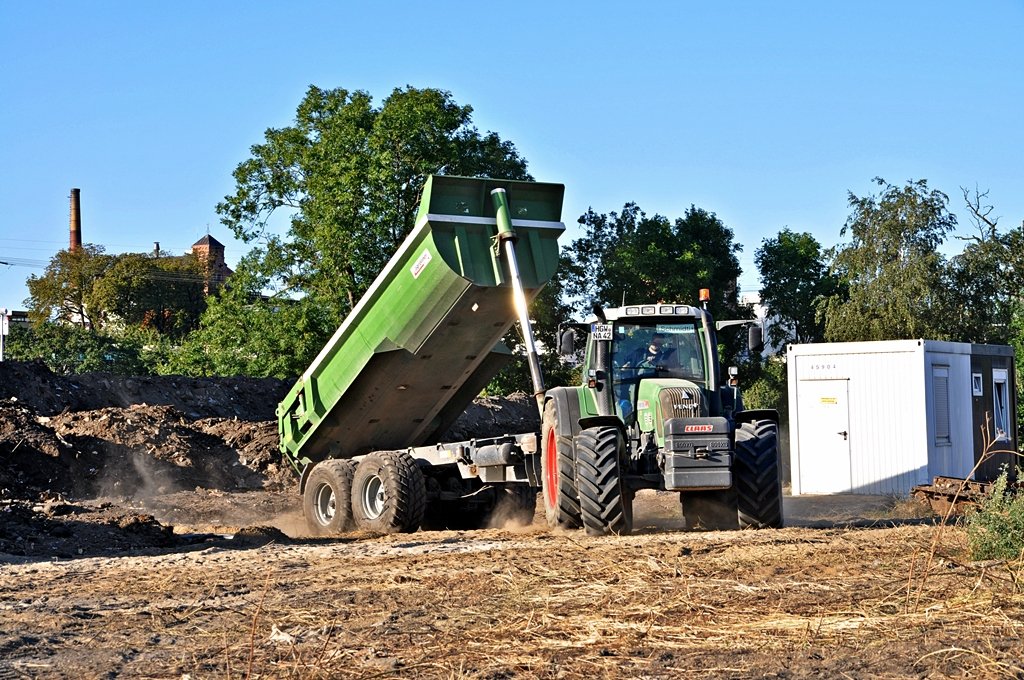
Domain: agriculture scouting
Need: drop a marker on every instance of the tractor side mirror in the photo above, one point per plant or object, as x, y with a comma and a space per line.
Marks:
567, 343
755, 339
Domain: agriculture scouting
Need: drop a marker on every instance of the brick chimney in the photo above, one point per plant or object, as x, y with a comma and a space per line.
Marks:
76, 221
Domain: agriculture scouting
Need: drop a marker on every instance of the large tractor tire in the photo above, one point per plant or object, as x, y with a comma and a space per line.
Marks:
326, 502
710, 510
389, 493
606, 505
558, 472
756, 475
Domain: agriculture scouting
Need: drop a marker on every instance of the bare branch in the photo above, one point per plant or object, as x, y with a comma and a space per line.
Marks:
981, 213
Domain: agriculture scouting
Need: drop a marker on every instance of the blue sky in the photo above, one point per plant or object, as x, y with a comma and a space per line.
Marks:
764, 113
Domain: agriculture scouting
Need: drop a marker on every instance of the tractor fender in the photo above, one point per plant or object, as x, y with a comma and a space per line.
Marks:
567, 408
602, 421
755, 414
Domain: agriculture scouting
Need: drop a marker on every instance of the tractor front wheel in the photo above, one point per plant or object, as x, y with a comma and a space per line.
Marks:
756, 475
558, 473
389, 493
606, 505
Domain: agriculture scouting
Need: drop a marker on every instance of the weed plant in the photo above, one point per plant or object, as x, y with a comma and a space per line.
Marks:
995, 530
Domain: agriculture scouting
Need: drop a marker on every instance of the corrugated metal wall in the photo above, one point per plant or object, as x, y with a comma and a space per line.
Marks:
887, 413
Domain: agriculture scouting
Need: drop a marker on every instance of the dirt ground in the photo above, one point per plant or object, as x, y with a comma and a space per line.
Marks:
149, 529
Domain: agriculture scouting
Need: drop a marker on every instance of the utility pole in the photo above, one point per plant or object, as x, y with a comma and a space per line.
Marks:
5, 326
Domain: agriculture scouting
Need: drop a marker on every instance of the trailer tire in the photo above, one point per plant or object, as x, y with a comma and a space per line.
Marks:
326, 503
710, 510
389, 493
558, 474
605, 504
756, 475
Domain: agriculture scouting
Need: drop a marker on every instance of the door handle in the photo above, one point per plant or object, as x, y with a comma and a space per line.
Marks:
844, 433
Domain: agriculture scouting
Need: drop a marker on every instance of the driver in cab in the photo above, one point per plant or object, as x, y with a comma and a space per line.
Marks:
653, 356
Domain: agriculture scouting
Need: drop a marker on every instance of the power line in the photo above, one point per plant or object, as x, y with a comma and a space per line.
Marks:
22, 262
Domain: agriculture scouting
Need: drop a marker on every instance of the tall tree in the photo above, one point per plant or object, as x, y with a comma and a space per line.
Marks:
986, 280
162, 293
629, 256
794, 276
65, 290
349, 176
244, 333
891, 268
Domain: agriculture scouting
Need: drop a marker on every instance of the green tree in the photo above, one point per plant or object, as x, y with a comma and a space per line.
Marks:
65, 290
162, 293
891, 269
986, 280
987, 286
245, 333
794, 276
68, 349
1017, 340
349, 175
629, 256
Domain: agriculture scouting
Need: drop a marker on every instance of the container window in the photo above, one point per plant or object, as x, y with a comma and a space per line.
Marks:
1000, 403
940, 400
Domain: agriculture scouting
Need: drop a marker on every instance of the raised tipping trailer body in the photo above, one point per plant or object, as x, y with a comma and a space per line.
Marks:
426, 337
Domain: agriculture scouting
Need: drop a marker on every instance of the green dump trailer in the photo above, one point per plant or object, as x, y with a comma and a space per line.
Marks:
363, 423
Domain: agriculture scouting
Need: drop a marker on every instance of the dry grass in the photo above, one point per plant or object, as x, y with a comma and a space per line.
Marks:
796, 602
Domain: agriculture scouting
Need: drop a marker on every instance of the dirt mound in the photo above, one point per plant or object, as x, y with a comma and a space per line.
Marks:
33, 458
495, 416
143, 442
60, 529
35, 386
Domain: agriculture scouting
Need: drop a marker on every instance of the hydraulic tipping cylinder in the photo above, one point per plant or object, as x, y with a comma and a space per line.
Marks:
506, 238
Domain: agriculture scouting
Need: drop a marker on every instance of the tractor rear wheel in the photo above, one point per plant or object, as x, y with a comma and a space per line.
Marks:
605, 504
325, 500
558, 472
388, 493
756, 475
710, 510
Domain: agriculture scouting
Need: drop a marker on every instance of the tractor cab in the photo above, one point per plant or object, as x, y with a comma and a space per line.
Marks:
661, 363
650, 355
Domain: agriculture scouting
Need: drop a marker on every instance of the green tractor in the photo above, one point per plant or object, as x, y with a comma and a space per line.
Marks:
654, 411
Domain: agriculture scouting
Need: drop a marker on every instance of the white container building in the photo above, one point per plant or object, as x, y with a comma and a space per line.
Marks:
882, 417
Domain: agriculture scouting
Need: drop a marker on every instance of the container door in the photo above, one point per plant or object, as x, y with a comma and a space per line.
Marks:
824, 436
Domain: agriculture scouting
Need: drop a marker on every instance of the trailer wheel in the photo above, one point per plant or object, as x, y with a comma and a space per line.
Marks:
710, 510
388, 493
558, 472
756, 475
605, 504
325, 502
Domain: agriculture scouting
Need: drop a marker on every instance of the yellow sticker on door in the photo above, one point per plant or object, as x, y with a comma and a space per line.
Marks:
829, 400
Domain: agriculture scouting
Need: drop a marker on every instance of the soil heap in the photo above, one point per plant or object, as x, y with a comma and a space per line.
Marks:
80, 455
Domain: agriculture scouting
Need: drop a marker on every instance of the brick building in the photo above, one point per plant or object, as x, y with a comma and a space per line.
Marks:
210, 254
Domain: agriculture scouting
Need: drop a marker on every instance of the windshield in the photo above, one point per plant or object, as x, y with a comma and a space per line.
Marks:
655, 349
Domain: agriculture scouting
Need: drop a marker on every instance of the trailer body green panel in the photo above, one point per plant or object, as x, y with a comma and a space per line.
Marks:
426, 337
